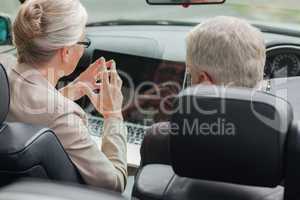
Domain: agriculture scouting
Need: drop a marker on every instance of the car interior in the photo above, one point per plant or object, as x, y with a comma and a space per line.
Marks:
260, 160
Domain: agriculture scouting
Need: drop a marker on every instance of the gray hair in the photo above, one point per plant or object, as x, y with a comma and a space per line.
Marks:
44, 26
230, 50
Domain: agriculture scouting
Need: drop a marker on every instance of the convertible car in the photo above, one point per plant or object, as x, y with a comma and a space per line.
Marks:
147, 41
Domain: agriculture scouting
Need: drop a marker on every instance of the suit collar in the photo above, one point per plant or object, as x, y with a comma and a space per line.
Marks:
30, 74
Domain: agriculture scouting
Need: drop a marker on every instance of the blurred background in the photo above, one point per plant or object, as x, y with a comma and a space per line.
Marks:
279, 12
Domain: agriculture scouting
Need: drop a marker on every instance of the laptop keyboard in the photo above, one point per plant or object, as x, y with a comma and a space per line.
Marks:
135, 132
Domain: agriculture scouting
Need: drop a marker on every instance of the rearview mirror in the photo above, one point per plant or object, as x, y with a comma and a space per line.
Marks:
5, 27
183, 2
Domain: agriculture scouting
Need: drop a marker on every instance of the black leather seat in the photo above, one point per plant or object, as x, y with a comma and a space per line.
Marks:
30, 151
158, 182
227, 144
292, 157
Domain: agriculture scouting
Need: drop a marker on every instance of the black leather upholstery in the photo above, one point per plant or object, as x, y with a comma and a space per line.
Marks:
241, 142
209, 163
4, 94
159, 182
41, 190
30, 151
292, 172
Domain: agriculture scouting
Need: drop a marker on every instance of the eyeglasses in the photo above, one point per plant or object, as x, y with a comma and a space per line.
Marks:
187, 82
86, 43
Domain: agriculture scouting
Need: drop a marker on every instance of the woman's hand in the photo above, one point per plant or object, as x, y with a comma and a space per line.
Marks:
92, 73
75, 90
109, 100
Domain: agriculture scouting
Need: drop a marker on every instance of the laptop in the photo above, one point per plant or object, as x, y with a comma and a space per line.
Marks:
148, 87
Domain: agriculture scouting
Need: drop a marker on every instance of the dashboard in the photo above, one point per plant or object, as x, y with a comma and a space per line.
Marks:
168, 43
282, 61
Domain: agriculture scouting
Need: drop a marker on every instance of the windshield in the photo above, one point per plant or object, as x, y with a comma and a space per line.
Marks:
283, 12
280, 12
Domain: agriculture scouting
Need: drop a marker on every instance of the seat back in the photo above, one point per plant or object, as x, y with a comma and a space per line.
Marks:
230, 135
30, 151
286, 88
4, 95
229, 144
292, 172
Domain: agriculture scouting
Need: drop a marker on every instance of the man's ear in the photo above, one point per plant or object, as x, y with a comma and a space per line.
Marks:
205, 78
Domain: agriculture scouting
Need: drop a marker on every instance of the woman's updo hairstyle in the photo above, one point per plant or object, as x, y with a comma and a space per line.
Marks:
44, 26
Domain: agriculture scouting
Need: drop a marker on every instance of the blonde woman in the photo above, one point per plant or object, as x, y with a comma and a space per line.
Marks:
49, 37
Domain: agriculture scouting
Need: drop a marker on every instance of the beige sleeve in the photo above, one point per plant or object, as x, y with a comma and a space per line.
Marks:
106, 168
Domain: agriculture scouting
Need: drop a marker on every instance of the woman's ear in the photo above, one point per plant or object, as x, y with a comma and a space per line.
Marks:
65, 55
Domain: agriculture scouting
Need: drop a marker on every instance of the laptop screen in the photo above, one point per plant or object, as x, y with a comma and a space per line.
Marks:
149, 86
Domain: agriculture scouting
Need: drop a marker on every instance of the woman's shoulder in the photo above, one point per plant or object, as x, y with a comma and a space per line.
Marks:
36, 100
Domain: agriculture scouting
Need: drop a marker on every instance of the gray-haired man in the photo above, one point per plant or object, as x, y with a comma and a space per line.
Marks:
220, 51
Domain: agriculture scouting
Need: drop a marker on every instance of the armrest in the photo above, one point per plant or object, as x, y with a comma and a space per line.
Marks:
152, 181
33, 151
